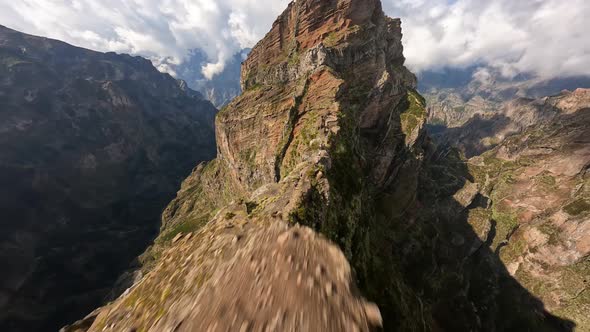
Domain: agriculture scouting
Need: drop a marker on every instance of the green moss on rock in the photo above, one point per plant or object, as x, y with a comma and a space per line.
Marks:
577, 207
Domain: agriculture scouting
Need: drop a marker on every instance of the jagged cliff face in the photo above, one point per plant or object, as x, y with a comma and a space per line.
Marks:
326, 133
92, 147
280, 121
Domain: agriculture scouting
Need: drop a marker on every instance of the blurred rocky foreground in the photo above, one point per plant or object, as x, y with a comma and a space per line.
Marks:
271, 278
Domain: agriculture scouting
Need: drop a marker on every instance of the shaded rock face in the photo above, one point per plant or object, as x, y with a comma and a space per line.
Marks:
313, 140
92, 147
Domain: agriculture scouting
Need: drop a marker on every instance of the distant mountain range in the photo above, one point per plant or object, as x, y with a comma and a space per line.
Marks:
483, 107
454, 94
219, 90
489, 83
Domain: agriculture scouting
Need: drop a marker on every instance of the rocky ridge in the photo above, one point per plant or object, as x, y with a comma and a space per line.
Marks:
328, 119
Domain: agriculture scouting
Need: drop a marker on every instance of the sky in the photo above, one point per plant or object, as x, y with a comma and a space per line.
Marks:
545, 38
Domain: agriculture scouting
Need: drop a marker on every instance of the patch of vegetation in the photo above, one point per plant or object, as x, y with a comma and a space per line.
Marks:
526, 161
334, 38
311, 210
552, 231
577, 207
229, 215
185, 227
414, 114
506, 223
256, 86
515, 249
576, 279
294, 58
248, 156
250, 207
479, 219
534, 285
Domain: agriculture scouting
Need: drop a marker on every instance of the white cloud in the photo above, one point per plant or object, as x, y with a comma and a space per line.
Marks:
158, 29
547, 38
544, 37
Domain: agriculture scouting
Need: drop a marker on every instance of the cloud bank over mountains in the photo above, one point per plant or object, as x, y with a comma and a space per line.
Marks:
158, 29
547, 38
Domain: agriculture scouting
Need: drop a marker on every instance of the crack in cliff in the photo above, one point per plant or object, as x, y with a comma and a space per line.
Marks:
294, 117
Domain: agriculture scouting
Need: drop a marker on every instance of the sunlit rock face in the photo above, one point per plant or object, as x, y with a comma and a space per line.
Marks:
92, 147
538, 185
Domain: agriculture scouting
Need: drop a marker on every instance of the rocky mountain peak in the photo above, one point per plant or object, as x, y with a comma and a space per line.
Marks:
572, 101
341, 45
328, 122
309, 34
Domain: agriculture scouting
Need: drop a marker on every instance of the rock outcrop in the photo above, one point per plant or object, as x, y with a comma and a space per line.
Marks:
92, 147
328, 125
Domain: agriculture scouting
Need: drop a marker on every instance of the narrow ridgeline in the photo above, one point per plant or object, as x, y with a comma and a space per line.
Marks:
328, 126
